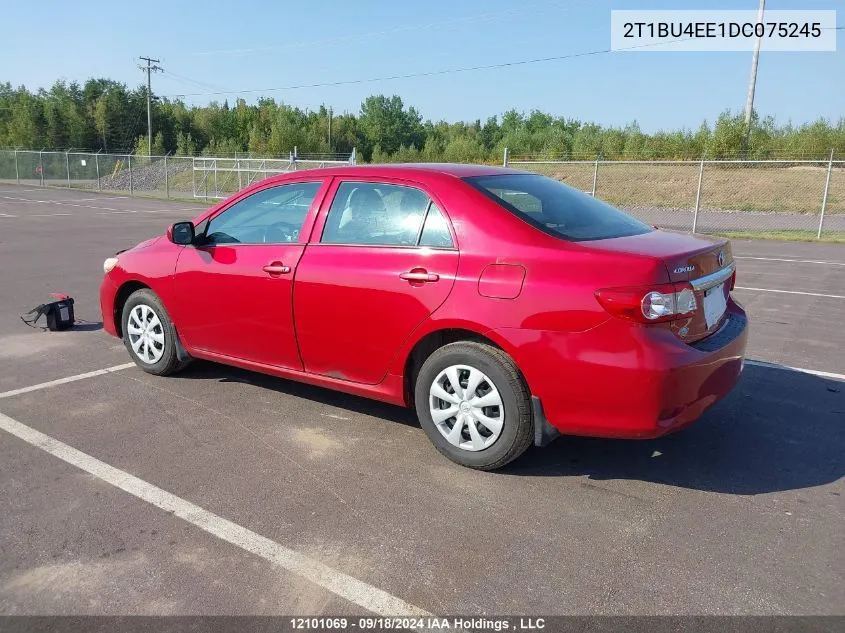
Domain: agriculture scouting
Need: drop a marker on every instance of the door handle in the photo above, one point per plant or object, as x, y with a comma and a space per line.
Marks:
419, 276
276, 268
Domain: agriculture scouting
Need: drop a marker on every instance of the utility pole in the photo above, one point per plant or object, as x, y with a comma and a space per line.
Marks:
749, 103
330, 128
150, 68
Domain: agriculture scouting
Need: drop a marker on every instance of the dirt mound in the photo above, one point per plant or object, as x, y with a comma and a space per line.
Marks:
144, 177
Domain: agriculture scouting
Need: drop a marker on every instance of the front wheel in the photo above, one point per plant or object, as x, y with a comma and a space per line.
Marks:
473, 404
149, 335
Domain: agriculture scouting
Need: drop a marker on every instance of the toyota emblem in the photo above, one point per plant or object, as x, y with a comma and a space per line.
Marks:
721, 258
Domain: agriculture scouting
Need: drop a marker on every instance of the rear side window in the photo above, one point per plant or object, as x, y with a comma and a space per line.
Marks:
435, 231
557, 208
370, 213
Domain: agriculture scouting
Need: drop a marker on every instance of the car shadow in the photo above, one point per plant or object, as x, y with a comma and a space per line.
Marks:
87, 326
778, 430
78, 326
205, 370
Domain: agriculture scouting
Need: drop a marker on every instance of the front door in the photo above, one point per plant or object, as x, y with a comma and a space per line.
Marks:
384, 262
234, 290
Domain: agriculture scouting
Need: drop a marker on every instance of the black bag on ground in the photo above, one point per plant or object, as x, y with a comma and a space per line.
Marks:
59, 313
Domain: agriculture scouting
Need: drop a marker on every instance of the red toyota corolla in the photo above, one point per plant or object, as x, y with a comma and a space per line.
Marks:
506, 307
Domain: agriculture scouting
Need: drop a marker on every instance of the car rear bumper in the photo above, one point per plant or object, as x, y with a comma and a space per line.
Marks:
625, 380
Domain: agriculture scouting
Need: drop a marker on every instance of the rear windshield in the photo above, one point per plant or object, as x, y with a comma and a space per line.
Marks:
557, 208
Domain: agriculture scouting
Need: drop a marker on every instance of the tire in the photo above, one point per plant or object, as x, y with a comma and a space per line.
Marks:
156, 352
499, 381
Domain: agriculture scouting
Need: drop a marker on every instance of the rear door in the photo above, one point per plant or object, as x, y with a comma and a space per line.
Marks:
380, 261
234, 291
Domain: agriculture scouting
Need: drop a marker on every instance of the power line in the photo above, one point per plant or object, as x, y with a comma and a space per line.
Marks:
430, 73
181, 78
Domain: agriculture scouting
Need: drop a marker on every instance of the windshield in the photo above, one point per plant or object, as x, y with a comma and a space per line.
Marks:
557, 208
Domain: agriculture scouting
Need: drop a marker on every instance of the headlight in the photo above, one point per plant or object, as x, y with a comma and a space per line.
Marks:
110, 263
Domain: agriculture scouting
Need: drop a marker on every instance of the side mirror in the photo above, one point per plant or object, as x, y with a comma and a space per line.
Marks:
182, 233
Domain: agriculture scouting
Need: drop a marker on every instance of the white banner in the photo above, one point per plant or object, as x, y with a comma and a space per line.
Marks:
722, 30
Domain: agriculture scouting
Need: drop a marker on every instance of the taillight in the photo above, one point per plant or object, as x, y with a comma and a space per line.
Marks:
732, 281
649, 304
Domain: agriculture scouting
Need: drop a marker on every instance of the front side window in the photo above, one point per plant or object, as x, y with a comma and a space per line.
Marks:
557, 208
270, 216
371, 213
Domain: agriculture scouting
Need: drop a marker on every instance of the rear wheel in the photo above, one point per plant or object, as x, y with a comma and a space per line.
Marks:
149, 335
474, 405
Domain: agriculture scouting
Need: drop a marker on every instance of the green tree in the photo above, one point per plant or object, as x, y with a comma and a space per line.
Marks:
185, 145
386, 123
106, 115
142, 146
726, 141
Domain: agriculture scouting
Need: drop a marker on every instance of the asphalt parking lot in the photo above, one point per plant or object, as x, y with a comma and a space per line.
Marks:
226, 492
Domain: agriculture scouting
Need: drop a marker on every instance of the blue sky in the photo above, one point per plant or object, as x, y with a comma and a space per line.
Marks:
241, 45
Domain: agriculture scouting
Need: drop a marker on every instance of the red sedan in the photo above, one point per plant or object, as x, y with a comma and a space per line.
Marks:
506, 307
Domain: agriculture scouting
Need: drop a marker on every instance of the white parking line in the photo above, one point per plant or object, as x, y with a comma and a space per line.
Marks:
56, 202
64, 381
98, 198
102, 210
356, 591
812, 372
791, 292
126, 212
797, 261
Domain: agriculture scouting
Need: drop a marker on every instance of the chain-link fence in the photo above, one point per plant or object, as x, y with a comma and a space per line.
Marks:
769, 198
164, 176
221, 177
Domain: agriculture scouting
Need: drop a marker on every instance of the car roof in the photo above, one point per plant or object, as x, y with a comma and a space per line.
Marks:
409, 170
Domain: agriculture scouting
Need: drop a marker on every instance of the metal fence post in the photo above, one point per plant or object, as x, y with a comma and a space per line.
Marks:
166, 178
97, 163
67, 166
17, 173
824, 197
505, 158
238, 168
216, 189
354, 157
41, 165
698, 196
129, 160
595, 176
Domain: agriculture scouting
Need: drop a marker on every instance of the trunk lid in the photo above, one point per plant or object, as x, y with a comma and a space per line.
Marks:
706, 263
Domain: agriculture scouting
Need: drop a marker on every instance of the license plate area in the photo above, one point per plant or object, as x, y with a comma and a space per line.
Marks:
715, 304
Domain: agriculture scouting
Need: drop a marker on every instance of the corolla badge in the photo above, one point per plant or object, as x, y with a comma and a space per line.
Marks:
721, 258
684, 269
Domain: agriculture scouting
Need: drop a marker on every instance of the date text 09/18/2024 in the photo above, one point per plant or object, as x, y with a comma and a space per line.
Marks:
520, 623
